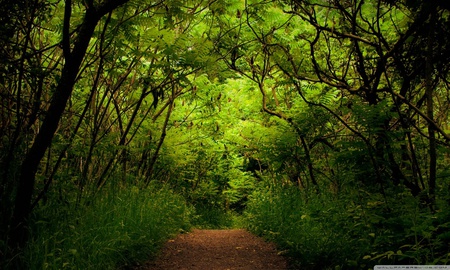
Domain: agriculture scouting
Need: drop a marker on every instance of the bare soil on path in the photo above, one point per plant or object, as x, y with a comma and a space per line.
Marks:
218, 250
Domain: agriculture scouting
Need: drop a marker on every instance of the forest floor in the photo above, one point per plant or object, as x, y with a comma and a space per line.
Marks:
217, 250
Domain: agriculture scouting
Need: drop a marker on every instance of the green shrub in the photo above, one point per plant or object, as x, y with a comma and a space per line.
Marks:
310, 232
350, 231
214, 217
117, 229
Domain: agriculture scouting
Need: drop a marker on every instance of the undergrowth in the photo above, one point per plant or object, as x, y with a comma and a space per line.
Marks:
117, 229
350, 231
215, 217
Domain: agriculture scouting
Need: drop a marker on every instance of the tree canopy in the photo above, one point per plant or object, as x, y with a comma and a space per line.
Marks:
221, 99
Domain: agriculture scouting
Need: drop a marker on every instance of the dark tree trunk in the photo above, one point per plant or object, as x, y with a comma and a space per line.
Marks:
155, 155
429, 98
63, 91
44, 137
310, 164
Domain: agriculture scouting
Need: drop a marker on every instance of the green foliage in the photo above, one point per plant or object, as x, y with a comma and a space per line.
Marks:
349, 231
311, 232
119, 228
240, 185
214, 217
231, 106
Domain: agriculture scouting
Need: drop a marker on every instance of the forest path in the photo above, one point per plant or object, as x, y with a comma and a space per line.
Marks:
218, 250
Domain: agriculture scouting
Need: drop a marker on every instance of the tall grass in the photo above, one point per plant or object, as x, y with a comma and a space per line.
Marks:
309, 232
349, 231
117, 229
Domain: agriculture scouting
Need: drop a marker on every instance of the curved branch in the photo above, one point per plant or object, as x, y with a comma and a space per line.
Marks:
424, 116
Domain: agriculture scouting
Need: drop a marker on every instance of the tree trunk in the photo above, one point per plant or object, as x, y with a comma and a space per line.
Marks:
63, 91
429, 98
44, 137
310, 165
152, 163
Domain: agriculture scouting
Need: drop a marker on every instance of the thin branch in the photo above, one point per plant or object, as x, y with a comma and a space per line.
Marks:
424, 116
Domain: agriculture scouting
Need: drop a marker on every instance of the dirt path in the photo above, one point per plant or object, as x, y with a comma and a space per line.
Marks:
218, 249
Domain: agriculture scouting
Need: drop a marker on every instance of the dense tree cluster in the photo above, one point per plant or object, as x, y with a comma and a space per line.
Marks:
219, 99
